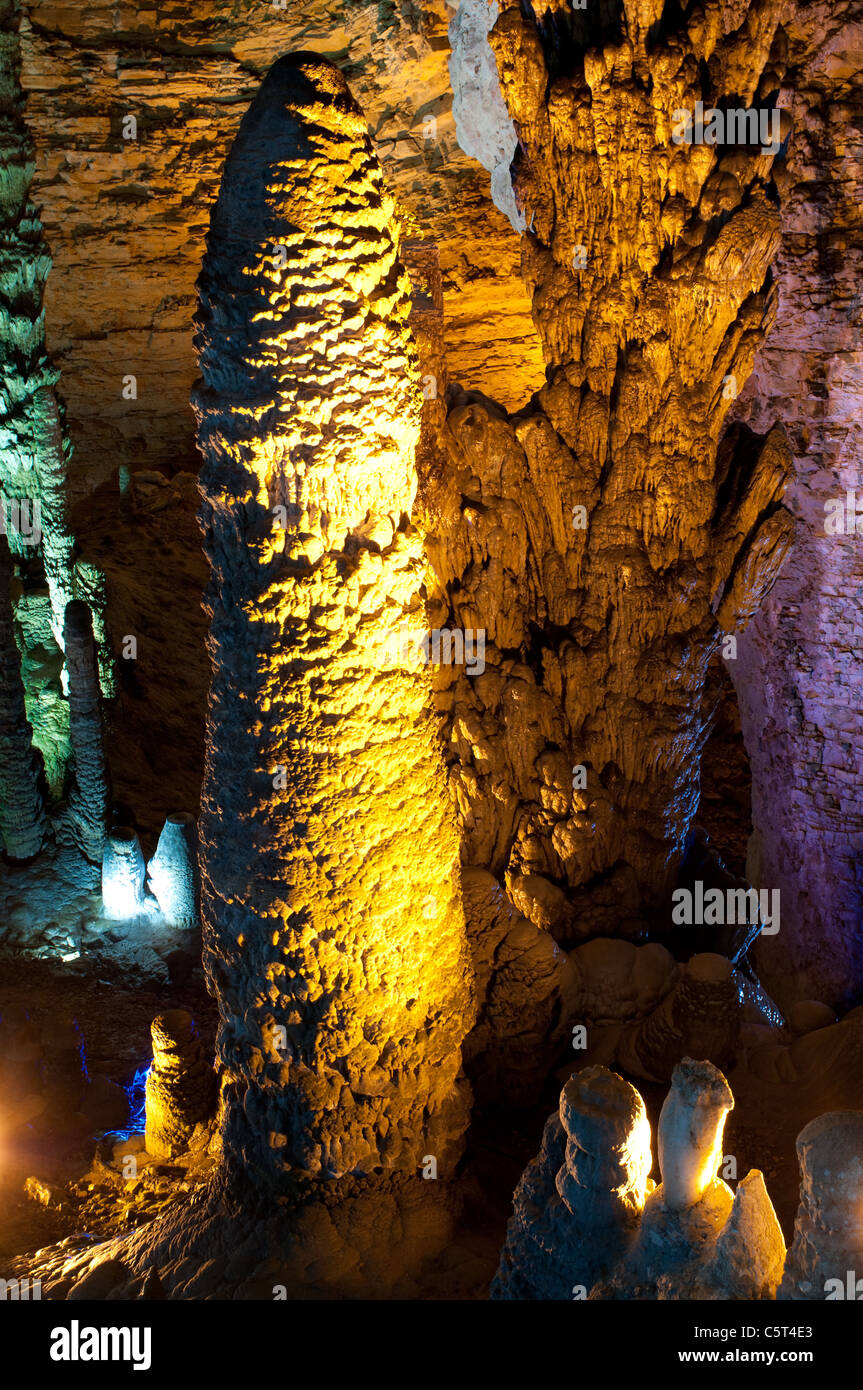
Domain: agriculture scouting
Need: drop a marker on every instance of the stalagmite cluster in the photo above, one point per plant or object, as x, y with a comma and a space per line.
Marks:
333, 925
588, 1222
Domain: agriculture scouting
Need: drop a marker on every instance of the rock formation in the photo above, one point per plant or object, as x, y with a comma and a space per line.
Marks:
589, 1223
22, 812
172, 873
181, 1085
700, 1016
606, 536
577, 1206
123, 873
333, 926
799, 669
86, 819
34, 448
826, 1256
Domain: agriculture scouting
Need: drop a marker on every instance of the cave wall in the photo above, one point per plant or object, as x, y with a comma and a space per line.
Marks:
799, 670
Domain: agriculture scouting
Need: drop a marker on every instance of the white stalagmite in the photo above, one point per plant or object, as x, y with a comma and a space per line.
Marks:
172, 873
122, 874
691, 1126
333, 925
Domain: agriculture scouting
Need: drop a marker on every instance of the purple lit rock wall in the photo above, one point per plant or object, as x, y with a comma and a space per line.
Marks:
799, 669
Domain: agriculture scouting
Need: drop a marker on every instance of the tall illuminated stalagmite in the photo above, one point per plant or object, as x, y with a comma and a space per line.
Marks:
333, 927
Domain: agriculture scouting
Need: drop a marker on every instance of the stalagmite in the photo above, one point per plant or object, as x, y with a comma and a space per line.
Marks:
698, 1239
181, 1085
333, 926
172, 873
123, 874
576, 1208
86, 819
825, 1260
22, 812
690, 1132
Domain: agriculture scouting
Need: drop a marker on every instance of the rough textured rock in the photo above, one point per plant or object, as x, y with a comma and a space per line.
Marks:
22, 812
613, 534
577, 1205
828, 1233
126, 218
528, 996
181, 1085
799, 669
172, 874
619, 982
85, 821
333, 926
701, 1016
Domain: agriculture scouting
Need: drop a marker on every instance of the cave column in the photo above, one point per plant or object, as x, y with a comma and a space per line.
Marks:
332, 918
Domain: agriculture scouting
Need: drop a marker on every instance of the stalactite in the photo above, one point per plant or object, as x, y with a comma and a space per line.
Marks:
333, 926
86, 820
22, 812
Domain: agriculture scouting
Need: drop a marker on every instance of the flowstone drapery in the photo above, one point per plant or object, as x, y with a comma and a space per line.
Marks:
333, 926
612, 534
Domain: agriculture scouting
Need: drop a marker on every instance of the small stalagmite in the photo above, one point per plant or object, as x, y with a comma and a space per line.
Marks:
172, 873
86, 818
22, 813
181, 1085
122, 874
825, 1260
333, 924
576, 1208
